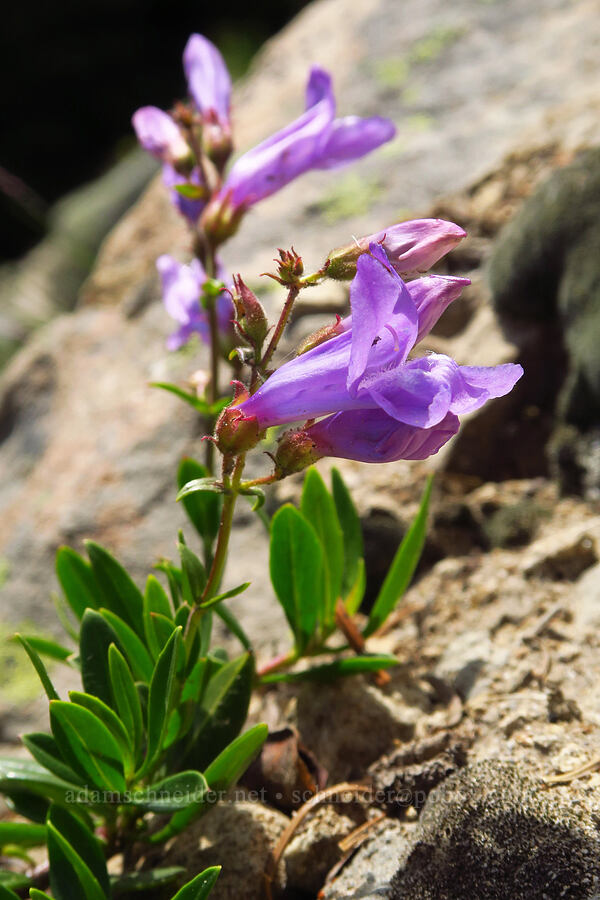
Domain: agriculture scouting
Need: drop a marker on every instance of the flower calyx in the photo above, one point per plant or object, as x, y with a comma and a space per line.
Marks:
251, 318
236, 432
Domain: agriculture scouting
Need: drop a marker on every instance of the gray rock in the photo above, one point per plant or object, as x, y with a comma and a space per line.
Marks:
546, 270
490, 833
369, 874
239, 837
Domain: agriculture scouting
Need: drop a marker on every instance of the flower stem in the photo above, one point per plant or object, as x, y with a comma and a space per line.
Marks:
232, 486
213, 387
283, 319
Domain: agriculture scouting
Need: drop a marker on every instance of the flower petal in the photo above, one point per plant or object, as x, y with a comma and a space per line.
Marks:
209, 81
159, 135
431, 296
181, 287
415, 245
190, 209
374, 437
378, 298
319, 87
353, 137
474, 385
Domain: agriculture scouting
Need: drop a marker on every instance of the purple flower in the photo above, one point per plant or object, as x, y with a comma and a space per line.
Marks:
411, 247
370, 435
210, 87
182, 288
316, 140
208, 80
160, 136
366, 369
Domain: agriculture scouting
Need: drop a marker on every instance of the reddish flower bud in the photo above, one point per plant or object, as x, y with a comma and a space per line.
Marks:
295, 451
220, 220
235, 433
252, 318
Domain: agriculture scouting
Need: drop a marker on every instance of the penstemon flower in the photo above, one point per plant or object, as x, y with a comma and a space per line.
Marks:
411, 247
365, 373
182, 288
316, 140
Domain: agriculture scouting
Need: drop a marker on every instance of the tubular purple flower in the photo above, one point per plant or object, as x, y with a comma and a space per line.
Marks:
189, 208
366, 368
370, 435
208, 80
160, 136
316, 140
411, 247
182, 287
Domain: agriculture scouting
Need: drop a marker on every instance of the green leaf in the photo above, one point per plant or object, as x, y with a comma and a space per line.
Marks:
6, 893
39, 667
24, 776
232, 592
95, 638
319, 510
155, 601
125, 698
232, 762
355, 595
110, 719
174, 578
44, 750
87, 746
69, 875
77, 581
199, 887
194, 576
204, 507
334, 670
296, 564
25, 834
30, 806
222, 710
258, 494
80, 838
47, 648
132, 647
163, 629
200, 485
403, 566
201, 406
222, 774
190, 190
232, 623
119, 594
34, 894
173, 794
133, 882
351, 529
163, 690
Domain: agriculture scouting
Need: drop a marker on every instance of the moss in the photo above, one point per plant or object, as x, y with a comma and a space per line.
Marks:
350, 196
395, 71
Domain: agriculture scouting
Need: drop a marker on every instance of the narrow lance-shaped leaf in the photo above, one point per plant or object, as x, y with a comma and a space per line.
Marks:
112, 721
77, 581
296, 562
87, 745
133, 648
69, 875
125, 698
86, 845
44, 750
351, 529
403, 566
199, 887
39, 666
163, 688
319, 510
339, 668
26, 834
119, 593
